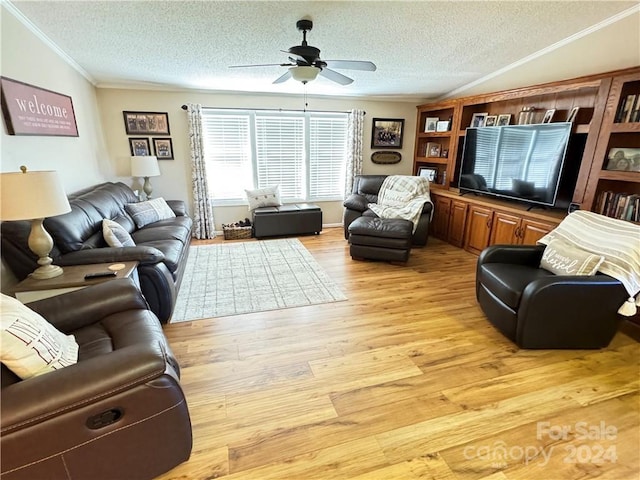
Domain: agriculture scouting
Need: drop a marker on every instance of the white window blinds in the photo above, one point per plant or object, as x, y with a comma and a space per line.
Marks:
303, 152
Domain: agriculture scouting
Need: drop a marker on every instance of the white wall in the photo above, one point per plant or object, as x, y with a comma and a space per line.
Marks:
175, 180
80, 160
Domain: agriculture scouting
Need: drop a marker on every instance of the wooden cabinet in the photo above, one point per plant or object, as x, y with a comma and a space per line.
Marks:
449, 220
457, 223
441, 211
511, 229
474, 223
478, 229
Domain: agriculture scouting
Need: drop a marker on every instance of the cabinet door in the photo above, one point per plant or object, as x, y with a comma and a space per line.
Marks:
504, 230
532, 231
442, 209
457, 221
478, 229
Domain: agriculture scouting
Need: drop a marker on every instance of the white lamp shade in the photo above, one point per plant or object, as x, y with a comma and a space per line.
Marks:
32, 195
304, 74
144, 166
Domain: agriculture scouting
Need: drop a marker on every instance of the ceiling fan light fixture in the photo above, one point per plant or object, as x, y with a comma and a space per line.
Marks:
304, 74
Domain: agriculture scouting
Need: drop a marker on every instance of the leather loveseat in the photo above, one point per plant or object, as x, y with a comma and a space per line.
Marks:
161, 247
365, 191
119, 412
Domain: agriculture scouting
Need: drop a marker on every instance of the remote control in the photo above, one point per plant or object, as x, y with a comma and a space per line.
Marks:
99, 275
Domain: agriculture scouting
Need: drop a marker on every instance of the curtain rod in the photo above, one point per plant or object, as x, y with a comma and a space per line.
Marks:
184, 107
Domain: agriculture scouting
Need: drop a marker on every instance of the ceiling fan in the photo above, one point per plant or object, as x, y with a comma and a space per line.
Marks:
305, 63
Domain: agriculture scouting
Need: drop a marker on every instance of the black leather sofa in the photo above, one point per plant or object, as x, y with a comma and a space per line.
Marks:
161, 247
118, 413
365, 191
536, 309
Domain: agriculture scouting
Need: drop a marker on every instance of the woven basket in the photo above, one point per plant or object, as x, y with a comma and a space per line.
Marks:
232, 232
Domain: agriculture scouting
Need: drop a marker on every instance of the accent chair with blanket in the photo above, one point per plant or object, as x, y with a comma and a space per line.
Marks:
366, 191
568, 292
108, 223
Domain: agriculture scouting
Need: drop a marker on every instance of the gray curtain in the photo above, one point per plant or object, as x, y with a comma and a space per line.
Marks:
203, 224
355, 127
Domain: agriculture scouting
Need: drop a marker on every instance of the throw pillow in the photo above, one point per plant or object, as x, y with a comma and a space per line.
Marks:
563, 258
30, 345
115, 235
264, 197
151, 211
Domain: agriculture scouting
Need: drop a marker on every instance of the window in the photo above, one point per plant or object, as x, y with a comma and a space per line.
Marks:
303, 152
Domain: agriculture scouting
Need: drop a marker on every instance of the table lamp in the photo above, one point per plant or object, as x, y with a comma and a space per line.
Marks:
34, 196
145, 166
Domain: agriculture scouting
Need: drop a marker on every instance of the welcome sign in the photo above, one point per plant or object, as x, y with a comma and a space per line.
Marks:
30, 110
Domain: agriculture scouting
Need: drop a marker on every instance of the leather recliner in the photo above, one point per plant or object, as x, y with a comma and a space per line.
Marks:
536, 309
365, 191
119, 412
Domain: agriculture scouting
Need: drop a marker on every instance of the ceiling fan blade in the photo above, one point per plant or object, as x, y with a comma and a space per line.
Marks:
335, 76
297, 59
283, 78
352, 65
263, 65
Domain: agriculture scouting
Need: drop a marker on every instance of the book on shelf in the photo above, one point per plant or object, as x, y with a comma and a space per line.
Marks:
623, 206
629, 109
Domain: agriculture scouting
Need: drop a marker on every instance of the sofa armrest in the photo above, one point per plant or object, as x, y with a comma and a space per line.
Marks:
52, 394
141, 253
74, 310
179, 207
515, 254
356, 202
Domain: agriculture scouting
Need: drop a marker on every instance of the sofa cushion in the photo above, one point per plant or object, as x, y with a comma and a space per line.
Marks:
178, 228
115, 235
30, 345
144, 213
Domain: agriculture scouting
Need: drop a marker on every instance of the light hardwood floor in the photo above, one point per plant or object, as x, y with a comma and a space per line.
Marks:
406, 379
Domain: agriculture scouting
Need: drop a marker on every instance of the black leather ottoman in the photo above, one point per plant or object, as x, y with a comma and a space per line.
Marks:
376, 238
298, 219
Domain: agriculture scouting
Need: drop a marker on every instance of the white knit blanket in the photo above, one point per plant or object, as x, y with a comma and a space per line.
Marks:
616, 240
402, 196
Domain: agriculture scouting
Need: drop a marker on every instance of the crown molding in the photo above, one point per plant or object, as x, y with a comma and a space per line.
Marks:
46, 40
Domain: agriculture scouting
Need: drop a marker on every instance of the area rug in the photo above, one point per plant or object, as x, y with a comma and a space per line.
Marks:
244, 277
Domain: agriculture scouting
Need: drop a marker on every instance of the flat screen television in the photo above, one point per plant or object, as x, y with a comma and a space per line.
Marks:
519, 162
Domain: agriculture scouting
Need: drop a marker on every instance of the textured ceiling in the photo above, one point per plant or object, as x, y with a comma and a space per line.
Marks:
421, 48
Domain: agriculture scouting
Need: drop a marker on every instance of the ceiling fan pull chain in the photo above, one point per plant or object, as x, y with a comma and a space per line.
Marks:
304, 85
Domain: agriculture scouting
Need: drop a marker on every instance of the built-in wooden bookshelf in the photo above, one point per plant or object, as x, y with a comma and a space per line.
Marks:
606, 105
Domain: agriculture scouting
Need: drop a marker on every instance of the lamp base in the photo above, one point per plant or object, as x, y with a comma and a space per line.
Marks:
147, 187
46, 271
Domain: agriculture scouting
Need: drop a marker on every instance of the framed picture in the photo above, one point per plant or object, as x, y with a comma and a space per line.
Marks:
139, 147
442, 126
491, 121
146, 123
31, 110
504, 119
625, 159
548, 115
387, 132
430, 124
163, 148
573, 114
432, 150
444, 153
429, 173
478, 119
